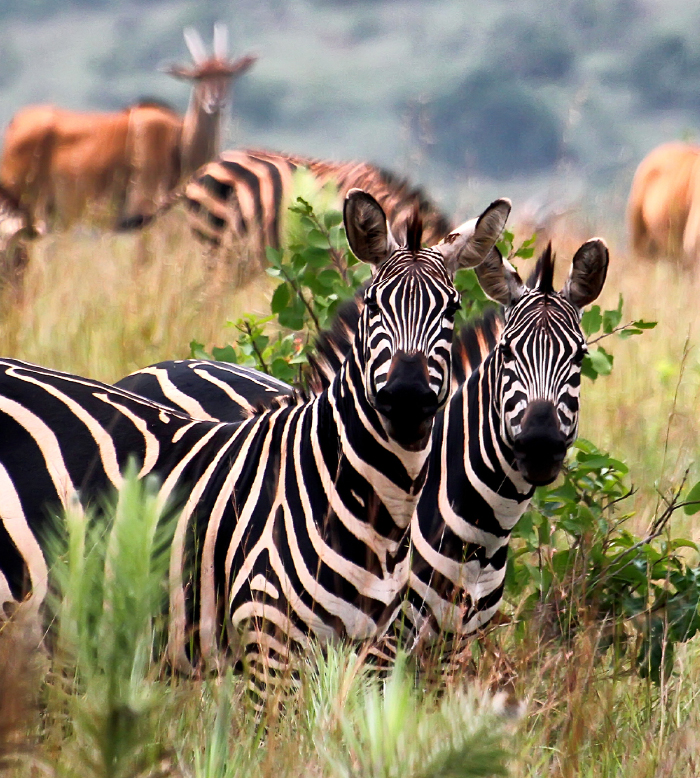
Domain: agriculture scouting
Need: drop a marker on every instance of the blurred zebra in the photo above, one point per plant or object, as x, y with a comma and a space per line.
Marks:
293, 522
512, 415
245, 194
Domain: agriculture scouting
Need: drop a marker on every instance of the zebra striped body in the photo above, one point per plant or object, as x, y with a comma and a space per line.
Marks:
211, 391
245, 193
292, 522
511, 417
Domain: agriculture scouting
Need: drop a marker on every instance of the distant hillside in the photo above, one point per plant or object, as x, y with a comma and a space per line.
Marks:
542, 100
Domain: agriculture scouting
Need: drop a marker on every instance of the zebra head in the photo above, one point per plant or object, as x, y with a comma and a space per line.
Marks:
403, 342
538, 358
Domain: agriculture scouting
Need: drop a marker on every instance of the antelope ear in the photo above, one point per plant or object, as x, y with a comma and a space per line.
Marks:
469, 244
587, 275
367, 229
499, 279
239, 66
178, 71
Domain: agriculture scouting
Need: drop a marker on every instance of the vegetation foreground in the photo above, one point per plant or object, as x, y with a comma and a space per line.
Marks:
592, 673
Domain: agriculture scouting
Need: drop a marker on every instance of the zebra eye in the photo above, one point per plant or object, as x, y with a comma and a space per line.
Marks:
452, 307
372, 305
506, 351
580, 353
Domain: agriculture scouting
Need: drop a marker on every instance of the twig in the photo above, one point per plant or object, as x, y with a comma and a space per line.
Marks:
302, 298
674, 405
657, 527
612, 332
249, 332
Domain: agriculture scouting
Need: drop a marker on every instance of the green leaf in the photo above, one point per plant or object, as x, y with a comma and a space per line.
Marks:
274, 256
293, 315
315, 256
281, 369
329, 278
645, 325
612, 319
601, 361
197, 350
587, 368
527, 248
505, 244
332, 219
317, 239
225, 354
693, 496
280, 298
465, 280
591, 321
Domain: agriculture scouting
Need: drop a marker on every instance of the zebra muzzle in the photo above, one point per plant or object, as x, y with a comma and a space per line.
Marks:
540, 447
407, 402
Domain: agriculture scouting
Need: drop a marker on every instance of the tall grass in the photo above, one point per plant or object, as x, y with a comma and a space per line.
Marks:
110, 707
102, 305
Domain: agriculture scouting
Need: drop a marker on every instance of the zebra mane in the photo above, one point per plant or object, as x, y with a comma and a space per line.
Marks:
333, 345
542, 277
470, 346
440, 224
414, 229
473, 342
297, 396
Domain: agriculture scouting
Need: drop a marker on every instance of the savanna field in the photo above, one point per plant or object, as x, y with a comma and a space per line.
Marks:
590, 673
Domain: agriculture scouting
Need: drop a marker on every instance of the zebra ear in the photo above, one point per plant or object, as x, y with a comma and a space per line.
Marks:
367, 229
469, 244
588, 271
499, 279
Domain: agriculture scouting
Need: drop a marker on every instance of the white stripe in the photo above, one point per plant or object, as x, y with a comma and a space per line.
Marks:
15, 522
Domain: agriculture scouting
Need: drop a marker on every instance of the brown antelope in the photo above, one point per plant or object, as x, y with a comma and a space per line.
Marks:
61, 166
664, 203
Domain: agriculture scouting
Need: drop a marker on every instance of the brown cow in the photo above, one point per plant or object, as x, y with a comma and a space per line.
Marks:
62, 166
664, 204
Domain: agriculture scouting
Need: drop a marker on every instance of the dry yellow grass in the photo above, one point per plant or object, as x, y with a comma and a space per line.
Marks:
102, 305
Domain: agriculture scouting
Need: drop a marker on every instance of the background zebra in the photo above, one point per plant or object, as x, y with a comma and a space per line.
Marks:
294, 521
506, 429
245, 193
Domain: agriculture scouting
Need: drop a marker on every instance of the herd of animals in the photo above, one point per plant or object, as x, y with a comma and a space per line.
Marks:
378, 502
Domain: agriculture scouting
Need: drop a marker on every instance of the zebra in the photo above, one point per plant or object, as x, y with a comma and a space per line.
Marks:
245, 193
512, 416
292, 522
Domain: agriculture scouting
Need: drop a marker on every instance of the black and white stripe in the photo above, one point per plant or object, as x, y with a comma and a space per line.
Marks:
244, 194
512, 415
292, 522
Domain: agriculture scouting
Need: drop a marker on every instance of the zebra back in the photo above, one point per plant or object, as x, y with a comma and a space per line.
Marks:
225, 391
245, 193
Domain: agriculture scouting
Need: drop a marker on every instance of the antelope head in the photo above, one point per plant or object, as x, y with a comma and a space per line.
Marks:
211, 77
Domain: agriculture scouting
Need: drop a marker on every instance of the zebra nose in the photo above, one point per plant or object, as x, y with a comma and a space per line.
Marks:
406, 400
540, 447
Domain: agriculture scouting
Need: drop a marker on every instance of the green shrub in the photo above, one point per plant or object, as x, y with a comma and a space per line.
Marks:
574, 560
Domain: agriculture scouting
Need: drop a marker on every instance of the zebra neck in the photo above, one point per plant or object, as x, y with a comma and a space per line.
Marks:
473, 493
384, 470
472, 499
